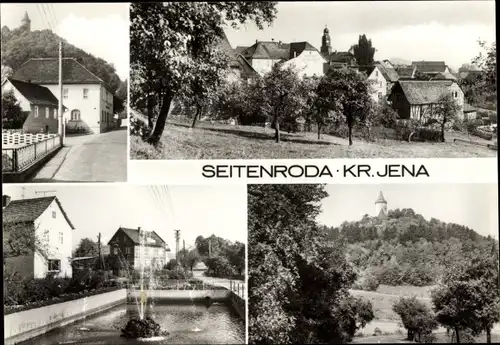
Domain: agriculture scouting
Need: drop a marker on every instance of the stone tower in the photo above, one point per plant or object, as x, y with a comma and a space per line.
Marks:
26, 22
380, 206
326, 47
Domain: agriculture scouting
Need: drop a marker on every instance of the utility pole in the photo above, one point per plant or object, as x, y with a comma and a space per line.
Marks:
209, 247
60, 109
177, 238
99, 260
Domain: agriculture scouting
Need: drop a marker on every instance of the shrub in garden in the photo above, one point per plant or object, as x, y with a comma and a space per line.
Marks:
139, 128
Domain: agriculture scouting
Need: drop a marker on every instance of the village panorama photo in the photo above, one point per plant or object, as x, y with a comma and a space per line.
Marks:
368, 264
64, 92
137, 264
291, 80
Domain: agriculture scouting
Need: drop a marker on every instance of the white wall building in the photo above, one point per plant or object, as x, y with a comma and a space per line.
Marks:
47, 220
87, 98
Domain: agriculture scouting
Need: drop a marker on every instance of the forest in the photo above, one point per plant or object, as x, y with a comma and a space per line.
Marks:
404, 248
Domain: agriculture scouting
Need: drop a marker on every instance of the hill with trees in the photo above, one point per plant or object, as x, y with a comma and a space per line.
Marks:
404, 248
18, 46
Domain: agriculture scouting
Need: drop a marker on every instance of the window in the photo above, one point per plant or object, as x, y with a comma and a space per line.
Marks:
54, 265
47, 112
115, 250
61, 238
65, 93
54, 214
46, 236
36, 110
75, 115
376, 73
55, 113
128, 250
380, 83
85, 93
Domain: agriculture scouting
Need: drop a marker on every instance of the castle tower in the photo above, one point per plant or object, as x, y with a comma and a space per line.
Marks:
26, 22
326, 47
381, 206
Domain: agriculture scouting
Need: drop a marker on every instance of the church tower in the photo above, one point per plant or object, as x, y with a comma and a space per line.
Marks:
326, 47
380, 206
26, 22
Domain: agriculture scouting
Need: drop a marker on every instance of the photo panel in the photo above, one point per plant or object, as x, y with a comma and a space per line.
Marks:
135, 263
244, 81
372, 263
65, 72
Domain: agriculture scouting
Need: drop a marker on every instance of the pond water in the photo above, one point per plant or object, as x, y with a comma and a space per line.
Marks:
186, 324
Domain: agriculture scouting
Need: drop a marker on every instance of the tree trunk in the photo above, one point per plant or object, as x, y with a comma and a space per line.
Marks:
150, 112
198, 111
319, 131
442, 132
349, 125
162, 119
410, 335
488, 335
457, 335
277, 130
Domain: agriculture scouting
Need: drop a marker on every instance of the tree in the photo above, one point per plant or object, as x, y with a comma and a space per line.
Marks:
317, 108
363, 51
86, 247
346, 92
189, 258
445, 111
282, 96
416, 317
219, 267
171, 264
487, 62
20, 239
13, 116
6, 72
171, 46
236, 257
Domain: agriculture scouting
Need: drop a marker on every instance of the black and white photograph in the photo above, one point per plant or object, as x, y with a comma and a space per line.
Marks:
109, 264
305, 80
65, 70
390, 263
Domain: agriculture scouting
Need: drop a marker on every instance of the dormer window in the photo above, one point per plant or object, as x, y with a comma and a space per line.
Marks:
53, 214
36, 110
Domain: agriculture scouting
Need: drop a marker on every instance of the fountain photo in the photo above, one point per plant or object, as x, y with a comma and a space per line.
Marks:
124, 264
393, 263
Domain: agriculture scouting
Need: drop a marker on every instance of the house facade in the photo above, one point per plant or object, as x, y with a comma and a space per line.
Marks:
306, 60
126, 246
88, 100
378, 83
417, 99
40, 104
46, 219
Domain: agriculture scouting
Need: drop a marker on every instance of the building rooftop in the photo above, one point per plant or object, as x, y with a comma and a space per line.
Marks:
424, 92
381, 199
34, 93
28, 210
134, 235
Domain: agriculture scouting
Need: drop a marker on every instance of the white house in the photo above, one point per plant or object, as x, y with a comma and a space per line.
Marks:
377, 82
39, 102
306, 59
87, 97
52, 230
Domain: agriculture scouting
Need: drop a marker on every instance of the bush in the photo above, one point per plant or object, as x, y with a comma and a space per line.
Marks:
139, 128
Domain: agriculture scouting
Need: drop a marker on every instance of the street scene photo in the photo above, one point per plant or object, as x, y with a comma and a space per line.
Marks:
304, 80
65, 71
122, 264
393, 263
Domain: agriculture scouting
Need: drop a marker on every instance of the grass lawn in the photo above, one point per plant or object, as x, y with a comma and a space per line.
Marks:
220, 141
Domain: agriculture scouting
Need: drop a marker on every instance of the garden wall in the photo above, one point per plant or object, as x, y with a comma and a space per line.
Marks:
182, 295
34, 322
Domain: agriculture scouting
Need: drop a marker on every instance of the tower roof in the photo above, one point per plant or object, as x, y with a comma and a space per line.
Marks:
326, 30
381, 199
26, 18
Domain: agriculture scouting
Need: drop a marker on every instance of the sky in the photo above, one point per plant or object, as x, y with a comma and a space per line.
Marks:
471, 205
101, 29
409, 30
196, 210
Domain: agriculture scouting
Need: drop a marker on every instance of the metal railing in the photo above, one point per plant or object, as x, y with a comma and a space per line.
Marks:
18, 159
238, 288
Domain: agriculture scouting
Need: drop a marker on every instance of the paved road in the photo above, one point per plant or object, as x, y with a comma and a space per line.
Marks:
89, 158
227, 283
383, 339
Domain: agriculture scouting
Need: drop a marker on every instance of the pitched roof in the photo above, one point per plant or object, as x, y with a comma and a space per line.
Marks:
380, 199
28, 210
366, 69
424, 91
34, 93
46, 71
133, 234
388, 72
296, 48
444, 76
239, 49
430, 66
405, 71
339, 56
267, 50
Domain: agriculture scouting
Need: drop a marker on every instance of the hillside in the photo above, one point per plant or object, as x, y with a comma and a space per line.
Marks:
406, 249
19, 45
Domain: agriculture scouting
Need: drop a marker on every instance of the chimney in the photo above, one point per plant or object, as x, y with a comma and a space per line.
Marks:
5, 200
272, 39
294, 54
